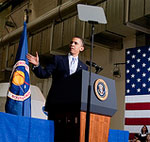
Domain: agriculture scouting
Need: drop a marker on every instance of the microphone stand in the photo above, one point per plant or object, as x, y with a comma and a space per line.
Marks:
89, 86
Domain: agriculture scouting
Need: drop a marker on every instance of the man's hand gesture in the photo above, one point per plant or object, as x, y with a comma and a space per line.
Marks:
33, 59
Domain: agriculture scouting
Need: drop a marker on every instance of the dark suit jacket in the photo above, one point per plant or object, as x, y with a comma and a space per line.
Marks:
59, 69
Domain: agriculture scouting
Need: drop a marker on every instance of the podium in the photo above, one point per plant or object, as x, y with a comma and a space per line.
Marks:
68, 105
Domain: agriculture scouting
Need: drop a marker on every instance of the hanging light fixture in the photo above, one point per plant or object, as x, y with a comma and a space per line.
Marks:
116, 70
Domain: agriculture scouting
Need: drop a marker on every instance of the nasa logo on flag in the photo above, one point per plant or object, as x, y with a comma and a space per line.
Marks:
18, 78
101, 89
20, 87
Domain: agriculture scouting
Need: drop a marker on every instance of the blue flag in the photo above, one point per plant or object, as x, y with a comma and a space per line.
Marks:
19, 95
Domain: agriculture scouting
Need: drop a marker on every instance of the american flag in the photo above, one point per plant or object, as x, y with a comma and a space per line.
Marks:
137, 99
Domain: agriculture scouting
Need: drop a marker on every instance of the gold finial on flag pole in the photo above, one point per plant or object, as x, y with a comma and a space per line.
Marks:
26, 15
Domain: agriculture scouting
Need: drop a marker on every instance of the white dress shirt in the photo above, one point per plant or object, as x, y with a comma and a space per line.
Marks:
73, 63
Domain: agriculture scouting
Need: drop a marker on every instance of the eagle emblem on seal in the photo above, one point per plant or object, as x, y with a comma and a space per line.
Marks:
101, 89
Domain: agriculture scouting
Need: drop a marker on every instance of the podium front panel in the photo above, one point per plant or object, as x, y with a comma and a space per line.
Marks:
104, 107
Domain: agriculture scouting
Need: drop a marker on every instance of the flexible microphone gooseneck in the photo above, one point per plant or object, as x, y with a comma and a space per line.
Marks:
97, 68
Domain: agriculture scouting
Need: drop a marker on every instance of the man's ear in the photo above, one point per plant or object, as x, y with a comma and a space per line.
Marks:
81, 48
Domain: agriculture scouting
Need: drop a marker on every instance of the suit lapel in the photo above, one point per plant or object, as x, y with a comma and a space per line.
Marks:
79, 65
66, 63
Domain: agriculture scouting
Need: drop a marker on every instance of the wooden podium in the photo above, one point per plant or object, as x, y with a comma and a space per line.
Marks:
68, 107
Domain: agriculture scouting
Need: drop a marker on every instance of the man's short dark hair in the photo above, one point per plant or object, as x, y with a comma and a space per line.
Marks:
82, 40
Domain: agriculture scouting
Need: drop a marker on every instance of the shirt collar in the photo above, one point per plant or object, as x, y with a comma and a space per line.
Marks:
70, 56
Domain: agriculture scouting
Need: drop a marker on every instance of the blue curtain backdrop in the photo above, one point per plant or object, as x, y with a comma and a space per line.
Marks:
15, 128
118, 136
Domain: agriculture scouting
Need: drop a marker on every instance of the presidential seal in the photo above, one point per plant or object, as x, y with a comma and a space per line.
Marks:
101, 89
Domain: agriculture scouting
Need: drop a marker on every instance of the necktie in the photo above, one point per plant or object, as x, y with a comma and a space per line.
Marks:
73, 60
72, 66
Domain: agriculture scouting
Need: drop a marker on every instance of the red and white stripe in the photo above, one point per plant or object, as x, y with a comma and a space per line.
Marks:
137, 112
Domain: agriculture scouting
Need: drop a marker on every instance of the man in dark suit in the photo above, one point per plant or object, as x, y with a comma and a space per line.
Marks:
60, 67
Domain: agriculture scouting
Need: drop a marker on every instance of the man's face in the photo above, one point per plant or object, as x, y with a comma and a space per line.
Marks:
76, 46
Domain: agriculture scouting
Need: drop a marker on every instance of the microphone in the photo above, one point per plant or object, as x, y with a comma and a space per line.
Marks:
97, 68
93, 64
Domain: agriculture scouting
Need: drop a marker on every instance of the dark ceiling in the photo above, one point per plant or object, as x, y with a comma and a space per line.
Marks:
8, 3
